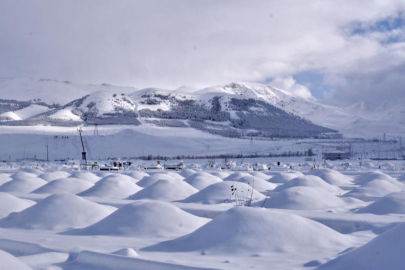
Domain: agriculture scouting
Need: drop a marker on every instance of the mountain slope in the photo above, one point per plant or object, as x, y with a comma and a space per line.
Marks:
233, 110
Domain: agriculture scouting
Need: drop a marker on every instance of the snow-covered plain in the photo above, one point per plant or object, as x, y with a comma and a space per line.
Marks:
54, 217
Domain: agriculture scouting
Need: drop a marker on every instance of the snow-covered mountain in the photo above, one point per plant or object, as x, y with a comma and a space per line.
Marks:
230, 110
51, 91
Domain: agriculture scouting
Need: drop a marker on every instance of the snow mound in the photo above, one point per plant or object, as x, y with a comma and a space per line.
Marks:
23, 185
10, 204
4, 178
65, 185
113, 186
127, 252
371, 176
303, 198
175, 175
137, 175
22, 175
221, 192
50, 176
261, 175
383, 252
88, 176
187, 172
165, 190
258, 183
309, 181
202, 180
31, 170
375, 189
145, 219
236, 176
221, 175
331, 176
59, 211
8, 261
149, 180
251, 230
284, 177
393, 203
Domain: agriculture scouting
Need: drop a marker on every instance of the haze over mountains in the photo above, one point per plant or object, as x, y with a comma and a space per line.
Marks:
226, 110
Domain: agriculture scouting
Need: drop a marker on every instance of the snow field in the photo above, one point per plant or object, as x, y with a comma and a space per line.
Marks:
139, 219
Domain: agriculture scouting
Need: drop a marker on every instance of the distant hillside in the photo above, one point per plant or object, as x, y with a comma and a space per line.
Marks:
233, 110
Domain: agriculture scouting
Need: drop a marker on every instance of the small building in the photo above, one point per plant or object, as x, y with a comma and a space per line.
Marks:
336, 155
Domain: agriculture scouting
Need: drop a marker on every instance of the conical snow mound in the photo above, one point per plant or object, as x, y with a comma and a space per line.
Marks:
145, 219
261, 175
23, 175
309, 181
303, 198
50, 176
10, 203
187, 172
23, 185
236, 176
250, 230
377, 175
202, 180
150, 180
65, 185
4, 178
31, 170
284, 177
88, 176
393, 203
113, 186
332, 177
127, 252
258, 183
137, 175
165, 190
220, 174
375, 189
8, 261
221, 193
60, 211
386, 251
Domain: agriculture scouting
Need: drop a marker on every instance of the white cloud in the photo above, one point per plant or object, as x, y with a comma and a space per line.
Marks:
289, 84
199, 43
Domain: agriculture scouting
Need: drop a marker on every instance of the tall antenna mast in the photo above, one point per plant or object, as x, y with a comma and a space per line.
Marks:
84, 154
